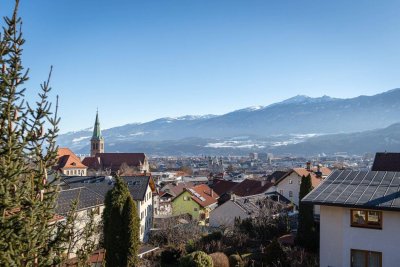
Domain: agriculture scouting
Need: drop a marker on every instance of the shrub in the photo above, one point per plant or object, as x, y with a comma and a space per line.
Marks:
196, 259
220, 259
276, 254
236, 261
171, 255
191, 246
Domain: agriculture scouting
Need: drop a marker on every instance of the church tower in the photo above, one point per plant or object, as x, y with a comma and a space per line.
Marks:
97, 141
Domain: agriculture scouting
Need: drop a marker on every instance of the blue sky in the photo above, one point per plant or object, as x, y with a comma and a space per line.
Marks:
141, 60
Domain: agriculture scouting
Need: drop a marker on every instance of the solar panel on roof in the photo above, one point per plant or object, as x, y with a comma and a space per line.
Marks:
358, 189
371, 188
344, 192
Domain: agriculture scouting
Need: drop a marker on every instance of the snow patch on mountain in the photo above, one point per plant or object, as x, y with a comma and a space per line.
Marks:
76, 140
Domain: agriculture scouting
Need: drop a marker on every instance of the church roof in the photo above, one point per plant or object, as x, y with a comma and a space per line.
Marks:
114, 161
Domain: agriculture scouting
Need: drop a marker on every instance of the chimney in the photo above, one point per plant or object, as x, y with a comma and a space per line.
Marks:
233, 197
308, 166
263, 182
319, 173
211, 193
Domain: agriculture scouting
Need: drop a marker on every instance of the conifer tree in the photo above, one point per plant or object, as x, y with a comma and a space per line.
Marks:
27, 154
131, 228
120, 226
306, 232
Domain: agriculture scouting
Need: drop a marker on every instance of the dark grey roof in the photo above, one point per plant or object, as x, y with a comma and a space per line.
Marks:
389, 162
363, 189
82, 179
251, 204
137, 186
86, 198
92, 194
276, 175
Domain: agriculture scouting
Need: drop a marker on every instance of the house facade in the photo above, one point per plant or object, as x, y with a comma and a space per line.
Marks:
289, 184
141, 189
225, 215
240, 208
197, 201
359, 218
88, 201
345, 244
68, 164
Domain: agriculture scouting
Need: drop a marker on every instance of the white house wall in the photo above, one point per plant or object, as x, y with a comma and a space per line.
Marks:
225, 214
145, 212
284, 187
338, 238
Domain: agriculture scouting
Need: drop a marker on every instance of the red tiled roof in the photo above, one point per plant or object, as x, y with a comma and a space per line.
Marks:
251, 187
92, 162
67, 159
209, 196
177, 189
221, 186
314, 179
114, 161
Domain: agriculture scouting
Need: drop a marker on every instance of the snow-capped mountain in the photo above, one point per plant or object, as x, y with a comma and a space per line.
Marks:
299, 115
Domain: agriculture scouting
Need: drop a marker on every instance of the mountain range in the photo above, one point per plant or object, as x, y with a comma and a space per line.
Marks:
298, 125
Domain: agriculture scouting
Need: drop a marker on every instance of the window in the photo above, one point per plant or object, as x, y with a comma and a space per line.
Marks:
290, 193
281, 192
186, 198
364, 258
195, 209
290, 181
366, 218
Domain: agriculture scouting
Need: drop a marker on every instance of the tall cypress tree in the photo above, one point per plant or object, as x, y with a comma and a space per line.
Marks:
131, 228
28, 152
120, 222
306, 232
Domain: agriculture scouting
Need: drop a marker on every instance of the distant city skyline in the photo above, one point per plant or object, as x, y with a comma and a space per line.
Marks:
139, 61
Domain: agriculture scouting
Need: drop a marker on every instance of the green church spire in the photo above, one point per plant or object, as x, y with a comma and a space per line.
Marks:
97, 130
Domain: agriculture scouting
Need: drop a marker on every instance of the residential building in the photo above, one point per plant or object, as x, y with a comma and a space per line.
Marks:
359, 218
87, 200
68, 164
141, 189
242, 208
163, 200
197, 201
289, 184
